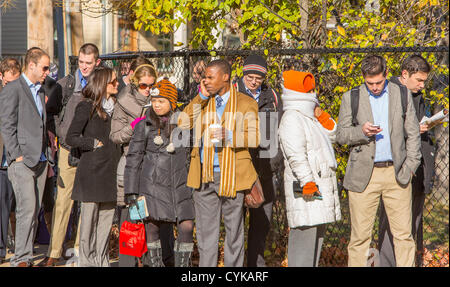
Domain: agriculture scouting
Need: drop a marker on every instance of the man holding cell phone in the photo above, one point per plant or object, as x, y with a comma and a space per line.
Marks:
384, 146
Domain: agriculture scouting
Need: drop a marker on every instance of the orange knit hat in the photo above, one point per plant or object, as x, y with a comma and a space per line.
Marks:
302, 82
165, 89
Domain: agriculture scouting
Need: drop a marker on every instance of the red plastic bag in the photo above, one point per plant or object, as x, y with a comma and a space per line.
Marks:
132, 239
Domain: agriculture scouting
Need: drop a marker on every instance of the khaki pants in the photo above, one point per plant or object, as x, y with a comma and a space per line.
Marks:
63, 207
363, 209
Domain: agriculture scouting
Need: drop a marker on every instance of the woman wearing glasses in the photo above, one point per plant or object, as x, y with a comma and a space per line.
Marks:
130, 105
95, 179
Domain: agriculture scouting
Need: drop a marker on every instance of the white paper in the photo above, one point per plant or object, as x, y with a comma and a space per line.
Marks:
435, 118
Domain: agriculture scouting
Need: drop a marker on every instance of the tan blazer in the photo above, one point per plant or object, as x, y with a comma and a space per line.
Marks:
404, 134
246, 135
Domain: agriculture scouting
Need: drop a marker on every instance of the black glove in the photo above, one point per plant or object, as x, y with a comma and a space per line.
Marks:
131, 198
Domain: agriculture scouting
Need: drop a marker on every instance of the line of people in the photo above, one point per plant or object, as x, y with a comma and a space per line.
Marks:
120, 138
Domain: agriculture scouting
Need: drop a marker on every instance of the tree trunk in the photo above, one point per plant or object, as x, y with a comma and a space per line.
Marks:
76, 27
40, 25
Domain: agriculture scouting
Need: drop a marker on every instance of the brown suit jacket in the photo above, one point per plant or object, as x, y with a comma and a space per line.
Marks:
246, 135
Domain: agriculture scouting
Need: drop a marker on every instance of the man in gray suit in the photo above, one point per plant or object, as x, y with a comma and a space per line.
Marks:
384, 154
22, 125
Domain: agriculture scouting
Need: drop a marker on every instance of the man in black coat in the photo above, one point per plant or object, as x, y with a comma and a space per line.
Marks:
267, 159
415, 71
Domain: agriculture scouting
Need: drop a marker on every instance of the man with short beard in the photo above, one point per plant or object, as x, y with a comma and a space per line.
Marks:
23, 128
61, 105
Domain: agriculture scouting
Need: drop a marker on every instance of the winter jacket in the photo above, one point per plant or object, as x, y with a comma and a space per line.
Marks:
95, 178
309, 157
62, 103
129, 105
158, 175
266, 159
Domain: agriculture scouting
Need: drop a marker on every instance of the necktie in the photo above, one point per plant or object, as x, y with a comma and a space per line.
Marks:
83, 82
219, 101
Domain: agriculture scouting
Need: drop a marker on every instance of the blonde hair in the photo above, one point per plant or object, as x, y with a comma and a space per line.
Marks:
143, 70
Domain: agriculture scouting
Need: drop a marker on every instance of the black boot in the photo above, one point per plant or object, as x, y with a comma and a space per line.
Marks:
183, 252
153, 257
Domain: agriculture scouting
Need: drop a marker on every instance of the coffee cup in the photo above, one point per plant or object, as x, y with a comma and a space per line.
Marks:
213, 129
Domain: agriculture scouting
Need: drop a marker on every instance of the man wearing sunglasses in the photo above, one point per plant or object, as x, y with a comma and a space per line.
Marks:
61, 106
23, 128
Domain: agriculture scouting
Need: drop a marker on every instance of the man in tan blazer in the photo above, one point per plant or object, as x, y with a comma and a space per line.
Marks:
384, 154
221, 172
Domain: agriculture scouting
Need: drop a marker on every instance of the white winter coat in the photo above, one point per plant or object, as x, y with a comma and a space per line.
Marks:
309, 156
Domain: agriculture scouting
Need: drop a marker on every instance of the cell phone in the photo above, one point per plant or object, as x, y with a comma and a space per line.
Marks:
298, 191
376, 126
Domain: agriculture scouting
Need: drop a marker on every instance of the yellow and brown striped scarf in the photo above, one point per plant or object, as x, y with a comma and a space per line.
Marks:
228, 161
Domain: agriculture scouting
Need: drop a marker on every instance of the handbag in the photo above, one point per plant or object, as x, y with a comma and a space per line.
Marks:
255, 196
132, 240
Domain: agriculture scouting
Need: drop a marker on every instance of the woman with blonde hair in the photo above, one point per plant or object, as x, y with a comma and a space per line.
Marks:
130, 104
95, 179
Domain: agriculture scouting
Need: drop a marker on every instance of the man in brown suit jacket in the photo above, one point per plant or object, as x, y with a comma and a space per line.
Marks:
221, 172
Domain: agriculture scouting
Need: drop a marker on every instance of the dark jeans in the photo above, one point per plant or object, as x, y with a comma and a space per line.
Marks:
6, 199
259, 225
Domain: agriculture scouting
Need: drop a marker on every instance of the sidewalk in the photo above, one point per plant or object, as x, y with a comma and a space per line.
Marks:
40, 252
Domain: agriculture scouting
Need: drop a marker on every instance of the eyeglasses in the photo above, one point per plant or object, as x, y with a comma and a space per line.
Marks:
113, 82
144, 86
254, 78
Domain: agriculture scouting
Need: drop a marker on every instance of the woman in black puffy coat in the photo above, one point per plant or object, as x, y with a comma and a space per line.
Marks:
158, 171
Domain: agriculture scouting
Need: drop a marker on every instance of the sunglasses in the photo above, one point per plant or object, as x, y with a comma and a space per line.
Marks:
45, 68
114, 82
144, 86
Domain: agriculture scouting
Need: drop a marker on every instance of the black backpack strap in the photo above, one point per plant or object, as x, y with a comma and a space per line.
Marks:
68, 90
354, 102
404, 99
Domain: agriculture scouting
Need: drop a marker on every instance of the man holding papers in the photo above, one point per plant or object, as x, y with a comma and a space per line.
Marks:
414, 73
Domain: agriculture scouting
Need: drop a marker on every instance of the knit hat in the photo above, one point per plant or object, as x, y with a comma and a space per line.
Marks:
302, 82
255, 64
165, 89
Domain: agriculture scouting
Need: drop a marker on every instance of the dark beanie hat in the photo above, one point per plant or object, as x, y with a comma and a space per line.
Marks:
255, 64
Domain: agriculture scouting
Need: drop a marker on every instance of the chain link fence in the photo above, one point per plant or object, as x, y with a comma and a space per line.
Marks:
336, 71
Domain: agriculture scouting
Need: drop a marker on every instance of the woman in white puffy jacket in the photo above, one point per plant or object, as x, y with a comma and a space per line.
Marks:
306, 134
